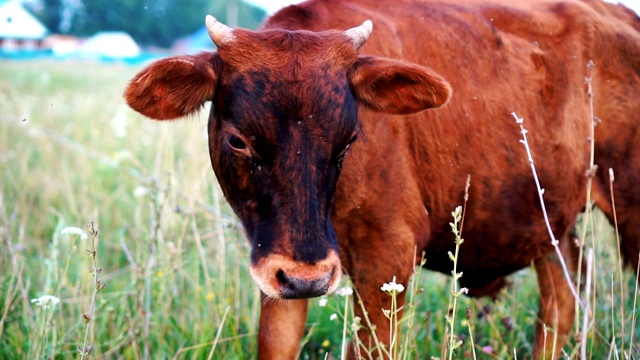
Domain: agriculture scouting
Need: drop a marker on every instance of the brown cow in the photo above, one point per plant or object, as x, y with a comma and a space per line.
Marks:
290, 100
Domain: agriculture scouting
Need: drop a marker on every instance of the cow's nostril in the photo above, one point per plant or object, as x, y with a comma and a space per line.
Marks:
281, 277
298, 288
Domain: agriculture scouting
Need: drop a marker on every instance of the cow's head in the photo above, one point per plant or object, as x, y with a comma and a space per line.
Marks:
284, 113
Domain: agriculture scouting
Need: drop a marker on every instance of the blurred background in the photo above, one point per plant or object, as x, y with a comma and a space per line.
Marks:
105, 29
133, 30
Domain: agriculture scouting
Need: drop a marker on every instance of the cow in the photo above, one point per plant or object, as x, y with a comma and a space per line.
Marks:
337, 145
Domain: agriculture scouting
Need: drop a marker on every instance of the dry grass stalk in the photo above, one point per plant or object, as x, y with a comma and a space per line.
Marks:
98, 286
554, 241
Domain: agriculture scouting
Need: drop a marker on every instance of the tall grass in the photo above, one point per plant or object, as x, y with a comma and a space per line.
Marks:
173, 258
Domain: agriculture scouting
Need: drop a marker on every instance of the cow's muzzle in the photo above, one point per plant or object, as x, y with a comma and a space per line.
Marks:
297, 288
281, 277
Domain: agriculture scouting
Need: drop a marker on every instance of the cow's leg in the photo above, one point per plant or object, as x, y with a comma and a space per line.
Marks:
374, 301
630, 238
282, 324
557, 303
627, 215
368, 276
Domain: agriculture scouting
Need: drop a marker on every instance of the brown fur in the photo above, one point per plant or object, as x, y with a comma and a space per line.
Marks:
284, 117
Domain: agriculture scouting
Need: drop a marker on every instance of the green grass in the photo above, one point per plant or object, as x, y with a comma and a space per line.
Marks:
176, 272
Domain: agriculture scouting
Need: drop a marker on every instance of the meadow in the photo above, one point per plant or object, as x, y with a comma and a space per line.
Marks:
121, 219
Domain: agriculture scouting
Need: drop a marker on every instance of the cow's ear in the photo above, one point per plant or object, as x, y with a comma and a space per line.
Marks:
174, 87
397, 87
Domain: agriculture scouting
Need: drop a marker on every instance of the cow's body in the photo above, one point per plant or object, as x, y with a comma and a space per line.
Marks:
405, 175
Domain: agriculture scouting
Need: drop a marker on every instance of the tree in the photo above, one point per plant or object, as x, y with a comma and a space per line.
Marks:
149, 22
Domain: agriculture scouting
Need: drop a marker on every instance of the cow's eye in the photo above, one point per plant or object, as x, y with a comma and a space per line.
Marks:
236, 143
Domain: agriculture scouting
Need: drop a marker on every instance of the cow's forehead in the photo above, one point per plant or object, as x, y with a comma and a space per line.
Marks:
294, 75
288, 52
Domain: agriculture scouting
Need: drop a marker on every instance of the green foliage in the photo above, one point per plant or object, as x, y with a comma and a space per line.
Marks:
175, 271
158, 22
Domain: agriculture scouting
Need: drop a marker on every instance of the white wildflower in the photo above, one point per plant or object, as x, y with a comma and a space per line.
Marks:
119, 123
392, 287
140, 191
355, 324
45, 301
333, 317
121, 155
345, 291
72, 230
323, 301
171, 248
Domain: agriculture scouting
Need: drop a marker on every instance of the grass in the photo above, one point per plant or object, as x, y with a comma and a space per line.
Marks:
174, 261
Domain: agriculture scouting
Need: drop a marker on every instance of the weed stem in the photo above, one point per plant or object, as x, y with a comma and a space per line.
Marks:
554, 241
98, 286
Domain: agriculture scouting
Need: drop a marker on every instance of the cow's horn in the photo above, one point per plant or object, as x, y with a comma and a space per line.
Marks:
360, 34
220, 33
